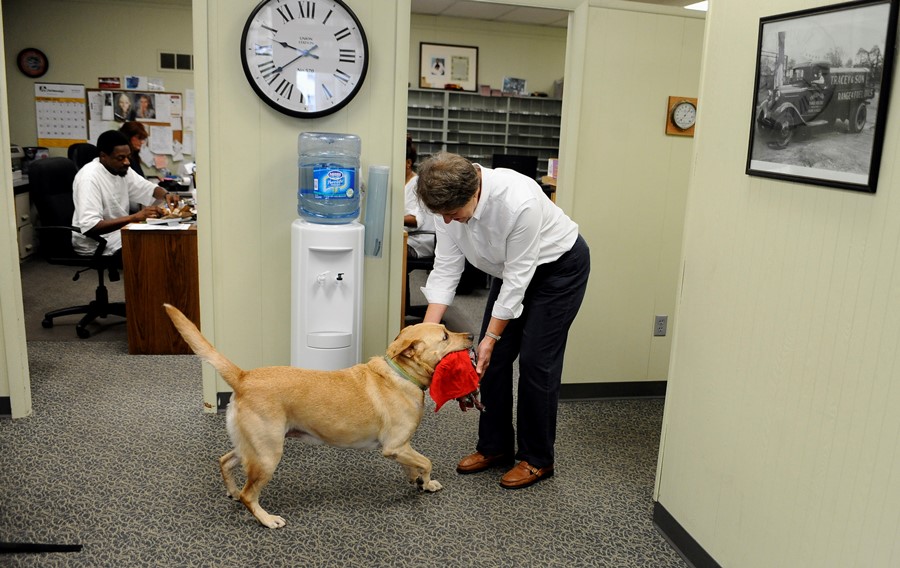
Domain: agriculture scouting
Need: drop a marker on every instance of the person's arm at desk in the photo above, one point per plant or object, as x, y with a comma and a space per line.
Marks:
109, 225
162, 194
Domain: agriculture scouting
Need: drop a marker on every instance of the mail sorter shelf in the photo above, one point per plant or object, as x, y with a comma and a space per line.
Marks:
478, 127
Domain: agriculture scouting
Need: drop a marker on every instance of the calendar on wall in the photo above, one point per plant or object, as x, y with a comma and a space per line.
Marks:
61, 114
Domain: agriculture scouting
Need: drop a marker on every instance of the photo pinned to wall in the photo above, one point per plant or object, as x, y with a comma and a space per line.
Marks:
123, 106
145, 106
513, 86
821, 94
448, 67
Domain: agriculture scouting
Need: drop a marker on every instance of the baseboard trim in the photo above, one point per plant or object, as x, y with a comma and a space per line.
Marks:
5, 406
689, 549
636, 389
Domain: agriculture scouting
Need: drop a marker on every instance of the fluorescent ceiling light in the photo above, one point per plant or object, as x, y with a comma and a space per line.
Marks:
701, 6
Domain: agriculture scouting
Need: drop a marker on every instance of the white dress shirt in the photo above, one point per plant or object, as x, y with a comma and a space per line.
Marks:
99, 195
515, 228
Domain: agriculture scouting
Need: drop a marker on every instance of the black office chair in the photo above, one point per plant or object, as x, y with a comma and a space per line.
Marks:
50, 182
415, 313
82, 152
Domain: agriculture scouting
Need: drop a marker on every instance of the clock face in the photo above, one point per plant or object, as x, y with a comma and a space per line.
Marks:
684, 114
304, 58
32, 62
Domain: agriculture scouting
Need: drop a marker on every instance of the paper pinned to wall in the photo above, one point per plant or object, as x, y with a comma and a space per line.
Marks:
61, 114
175, 106
189, 109
187, 142
177, 154
161, 139
160, 161
135, 82
146, 155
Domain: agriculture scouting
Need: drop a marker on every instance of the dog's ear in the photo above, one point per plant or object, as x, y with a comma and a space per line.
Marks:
405, 346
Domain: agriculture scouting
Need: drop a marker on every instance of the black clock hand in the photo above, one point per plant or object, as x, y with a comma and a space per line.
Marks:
302, 54
284, 44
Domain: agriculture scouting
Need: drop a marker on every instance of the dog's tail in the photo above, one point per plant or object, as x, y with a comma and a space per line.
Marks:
203, 349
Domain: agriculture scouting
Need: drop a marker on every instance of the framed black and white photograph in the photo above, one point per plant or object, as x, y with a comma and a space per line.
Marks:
448, 67
820, 97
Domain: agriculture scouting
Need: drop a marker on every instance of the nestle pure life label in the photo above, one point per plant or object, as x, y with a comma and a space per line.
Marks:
334, 183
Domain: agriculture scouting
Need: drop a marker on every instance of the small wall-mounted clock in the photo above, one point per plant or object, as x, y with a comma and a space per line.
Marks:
32, 62
304, 58
681, 116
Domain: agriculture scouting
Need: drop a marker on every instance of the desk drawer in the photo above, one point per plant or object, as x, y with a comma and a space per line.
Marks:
26, 240
23, 210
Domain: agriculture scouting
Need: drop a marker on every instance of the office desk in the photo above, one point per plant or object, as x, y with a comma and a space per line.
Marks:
159, 266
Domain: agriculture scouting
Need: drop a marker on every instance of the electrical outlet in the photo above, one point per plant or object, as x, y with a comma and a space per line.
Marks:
660, 323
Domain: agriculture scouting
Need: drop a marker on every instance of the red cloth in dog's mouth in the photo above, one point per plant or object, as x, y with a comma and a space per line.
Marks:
454, 377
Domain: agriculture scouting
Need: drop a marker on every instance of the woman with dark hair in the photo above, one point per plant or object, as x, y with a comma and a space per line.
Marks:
136, 135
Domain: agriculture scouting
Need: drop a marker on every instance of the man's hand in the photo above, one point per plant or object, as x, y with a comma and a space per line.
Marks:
148, 212
172, 200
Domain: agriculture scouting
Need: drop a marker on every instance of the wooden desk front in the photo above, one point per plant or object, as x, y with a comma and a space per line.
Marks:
159, 267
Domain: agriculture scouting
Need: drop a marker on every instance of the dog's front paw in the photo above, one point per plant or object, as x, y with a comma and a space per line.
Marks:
271, 521
432, 486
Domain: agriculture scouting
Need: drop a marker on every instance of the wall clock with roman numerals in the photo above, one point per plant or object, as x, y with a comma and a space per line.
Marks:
304, 58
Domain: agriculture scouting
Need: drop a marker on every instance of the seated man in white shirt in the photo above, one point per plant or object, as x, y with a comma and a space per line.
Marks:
106, 189
417, 218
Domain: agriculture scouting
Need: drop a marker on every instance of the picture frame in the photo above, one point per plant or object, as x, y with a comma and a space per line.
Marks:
514, 86
448, 67
820, 98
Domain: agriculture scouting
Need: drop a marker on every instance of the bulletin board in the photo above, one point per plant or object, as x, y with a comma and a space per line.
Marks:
163, 114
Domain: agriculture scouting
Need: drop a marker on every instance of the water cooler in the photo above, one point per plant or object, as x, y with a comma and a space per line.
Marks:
327, 249
326, 294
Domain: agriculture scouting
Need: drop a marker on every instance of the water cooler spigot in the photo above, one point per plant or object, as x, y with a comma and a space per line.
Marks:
320, 279
340, 276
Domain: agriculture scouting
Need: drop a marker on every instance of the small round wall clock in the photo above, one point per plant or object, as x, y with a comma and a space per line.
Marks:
684, 114
32, 62
681, 116
304, 58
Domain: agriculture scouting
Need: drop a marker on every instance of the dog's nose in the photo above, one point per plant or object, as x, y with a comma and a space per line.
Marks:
471, 337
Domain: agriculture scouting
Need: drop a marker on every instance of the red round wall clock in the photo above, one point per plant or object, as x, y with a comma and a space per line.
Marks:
32, 62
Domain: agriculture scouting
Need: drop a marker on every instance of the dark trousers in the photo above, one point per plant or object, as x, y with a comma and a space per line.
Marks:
538, 339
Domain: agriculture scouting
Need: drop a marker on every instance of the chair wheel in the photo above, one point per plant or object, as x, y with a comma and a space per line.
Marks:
47, 323
82, 333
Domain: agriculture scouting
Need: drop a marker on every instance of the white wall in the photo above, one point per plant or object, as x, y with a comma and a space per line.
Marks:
781, 441
629, 185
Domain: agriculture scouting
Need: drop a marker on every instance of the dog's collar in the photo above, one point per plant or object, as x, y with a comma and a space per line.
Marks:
404, 374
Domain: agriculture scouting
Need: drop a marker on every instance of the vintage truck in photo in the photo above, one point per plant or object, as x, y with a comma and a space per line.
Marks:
815, 94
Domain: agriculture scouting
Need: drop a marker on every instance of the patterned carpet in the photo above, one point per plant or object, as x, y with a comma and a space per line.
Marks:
120, 458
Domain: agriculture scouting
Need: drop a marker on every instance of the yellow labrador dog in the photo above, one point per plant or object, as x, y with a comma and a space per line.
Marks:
371, 405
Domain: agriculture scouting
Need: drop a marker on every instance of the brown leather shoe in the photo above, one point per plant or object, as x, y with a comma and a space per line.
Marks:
524, 475
473, 463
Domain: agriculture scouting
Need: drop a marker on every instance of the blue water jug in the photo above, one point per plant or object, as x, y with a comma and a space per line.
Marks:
329, 177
